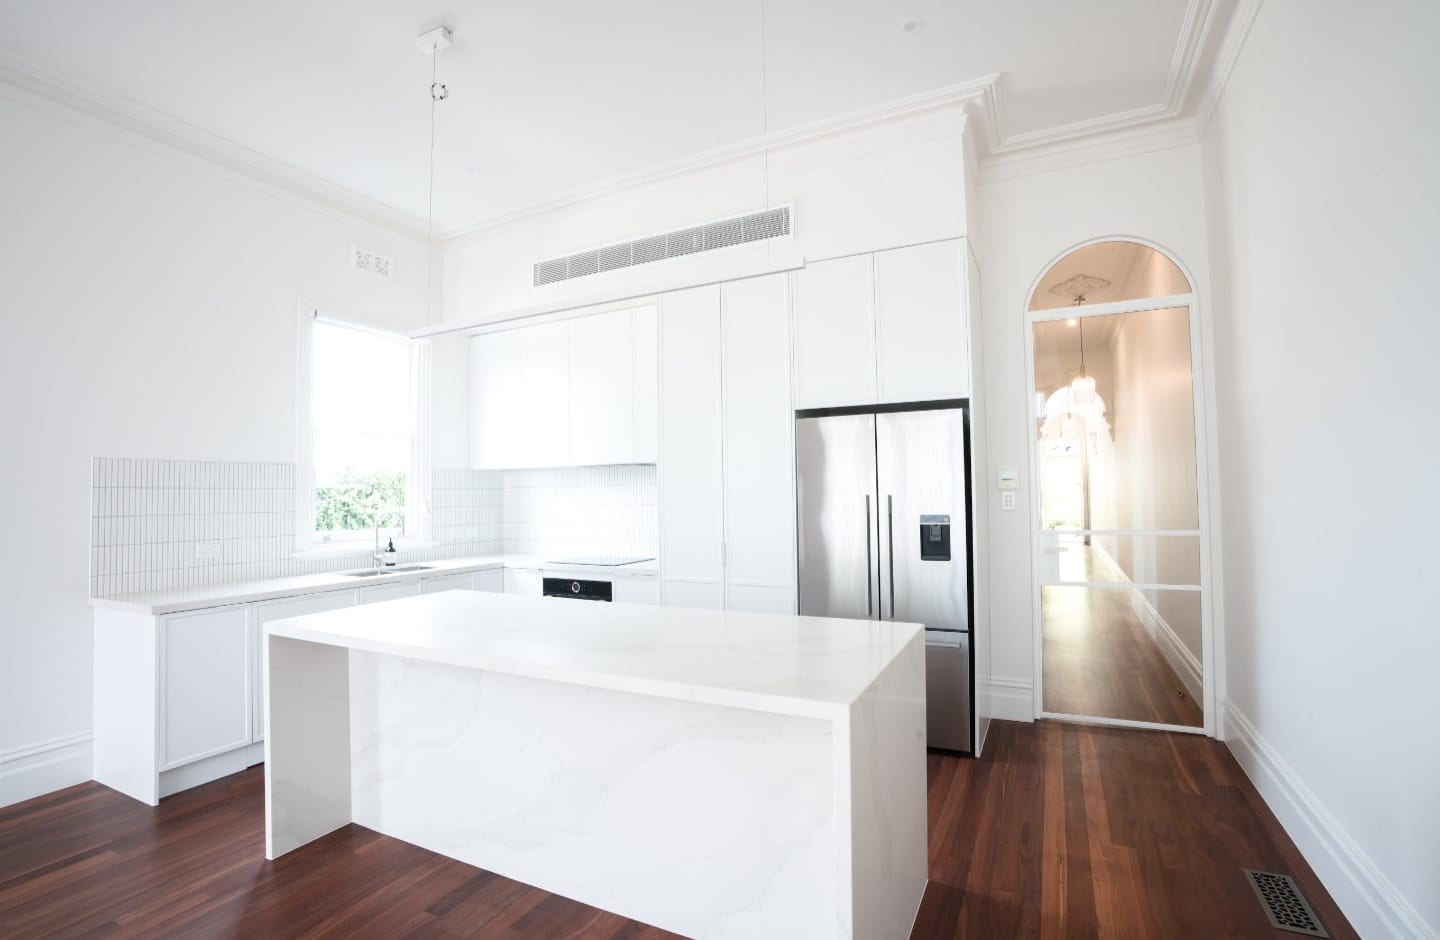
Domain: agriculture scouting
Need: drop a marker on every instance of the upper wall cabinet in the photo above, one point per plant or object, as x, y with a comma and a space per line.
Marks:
887, 327
576, 392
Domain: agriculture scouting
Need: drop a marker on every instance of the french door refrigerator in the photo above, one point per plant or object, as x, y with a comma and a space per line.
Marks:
883, 499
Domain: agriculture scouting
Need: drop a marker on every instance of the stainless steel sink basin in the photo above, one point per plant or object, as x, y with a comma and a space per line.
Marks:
375, 572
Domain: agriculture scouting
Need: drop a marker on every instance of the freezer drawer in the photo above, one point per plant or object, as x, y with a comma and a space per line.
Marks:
948, 722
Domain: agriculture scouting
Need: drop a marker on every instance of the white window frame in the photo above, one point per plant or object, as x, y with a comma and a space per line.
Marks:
416, 532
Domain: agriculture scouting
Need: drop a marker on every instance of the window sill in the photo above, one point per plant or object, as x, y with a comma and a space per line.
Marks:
326, 550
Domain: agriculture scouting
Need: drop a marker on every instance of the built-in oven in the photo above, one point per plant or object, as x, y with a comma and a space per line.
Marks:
577, 589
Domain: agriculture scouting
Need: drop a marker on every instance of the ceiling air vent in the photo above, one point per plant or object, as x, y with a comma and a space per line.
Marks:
369, 262
757, 226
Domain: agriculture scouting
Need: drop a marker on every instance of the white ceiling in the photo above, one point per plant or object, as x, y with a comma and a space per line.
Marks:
551, 96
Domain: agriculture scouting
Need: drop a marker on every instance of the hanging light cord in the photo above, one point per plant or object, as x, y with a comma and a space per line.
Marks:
1081, 324
438, 93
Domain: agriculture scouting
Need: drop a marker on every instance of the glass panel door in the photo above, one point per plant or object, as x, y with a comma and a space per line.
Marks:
1121, 605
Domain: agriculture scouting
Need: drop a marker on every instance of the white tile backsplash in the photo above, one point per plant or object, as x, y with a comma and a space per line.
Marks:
165, 524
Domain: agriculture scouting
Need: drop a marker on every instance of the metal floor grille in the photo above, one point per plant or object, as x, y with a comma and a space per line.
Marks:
1284, 904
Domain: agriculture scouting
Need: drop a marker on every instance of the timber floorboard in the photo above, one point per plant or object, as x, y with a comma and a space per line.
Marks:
1059, 830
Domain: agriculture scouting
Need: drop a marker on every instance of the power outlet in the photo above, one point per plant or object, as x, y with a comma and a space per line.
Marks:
472, 532
207, 551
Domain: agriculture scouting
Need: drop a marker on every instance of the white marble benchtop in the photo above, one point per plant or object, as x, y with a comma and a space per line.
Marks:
804, 666
178, 600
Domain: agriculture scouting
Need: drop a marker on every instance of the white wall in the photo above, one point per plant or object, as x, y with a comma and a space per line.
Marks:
1026, 223
1325, 221
149, 309
896, 183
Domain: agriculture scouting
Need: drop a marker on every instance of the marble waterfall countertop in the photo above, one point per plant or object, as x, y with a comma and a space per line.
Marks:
243, 592
803, 666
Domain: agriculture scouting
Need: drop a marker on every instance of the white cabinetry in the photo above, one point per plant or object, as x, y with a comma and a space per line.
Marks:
835, 333
726, 484
523, 581
637, 590
923, 331
388, 592
888, 327
690, 484
577, 392
266, 611
491, 579
205, 684
759, 449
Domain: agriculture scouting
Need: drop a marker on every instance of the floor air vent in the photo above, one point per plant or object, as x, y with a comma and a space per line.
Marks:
1284, 904
757, 226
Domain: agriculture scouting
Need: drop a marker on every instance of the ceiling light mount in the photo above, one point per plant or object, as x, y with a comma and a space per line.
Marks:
436, 39
912, 25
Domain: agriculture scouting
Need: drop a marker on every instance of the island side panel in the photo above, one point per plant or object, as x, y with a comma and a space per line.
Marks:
307, 742
708, 821
889, 854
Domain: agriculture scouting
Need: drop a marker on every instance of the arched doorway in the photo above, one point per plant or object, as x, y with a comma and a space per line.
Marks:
1123, 621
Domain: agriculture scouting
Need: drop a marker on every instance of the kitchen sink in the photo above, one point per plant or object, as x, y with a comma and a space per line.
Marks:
375, 572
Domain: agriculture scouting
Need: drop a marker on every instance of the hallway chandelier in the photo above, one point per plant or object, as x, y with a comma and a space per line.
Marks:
1078, 289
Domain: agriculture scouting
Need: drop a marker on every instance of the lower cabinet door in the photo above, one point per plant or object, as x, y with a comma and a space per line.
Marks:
448, 582
637, 590
491, 579
523, 581
206, 685
267, 611
388, 592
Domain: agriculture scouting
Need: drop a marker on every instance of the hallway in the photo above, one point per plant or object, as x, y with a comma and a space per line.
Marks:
1099, 660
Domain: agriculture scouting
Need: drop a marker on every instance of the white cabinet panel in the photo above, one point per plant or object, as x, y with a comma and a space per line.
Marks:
690, 492
491, 579
760, 598
206, 684
495, 413
646, 402
704, 594
601, 380
924, 330
448, 582
637, 590
388, 592
759, 426
544, 403
525, 581
835, 333
267, 611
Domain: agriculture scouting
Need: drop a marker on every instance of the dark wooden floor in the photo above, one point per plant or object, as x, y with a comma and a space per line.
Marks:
1059, 831
1099, 661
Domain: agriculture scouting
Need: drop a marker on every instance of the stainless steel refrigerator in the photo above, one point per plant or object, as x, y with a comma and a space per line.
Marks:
882, 511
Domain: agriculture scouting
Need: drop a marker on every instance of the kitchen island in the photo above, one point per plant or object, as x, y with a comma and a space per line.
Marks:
716, 774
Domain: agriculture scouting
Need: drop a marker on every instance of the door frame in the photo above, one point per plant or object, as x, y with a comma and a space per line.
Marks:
1211, 670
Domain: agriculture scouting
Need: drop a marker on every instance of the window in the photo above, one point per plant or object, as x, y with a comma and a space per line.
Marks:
358, 434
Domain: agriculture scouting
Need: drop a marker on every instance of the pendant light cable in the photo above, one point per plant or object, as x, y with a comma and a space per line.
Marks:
438, 93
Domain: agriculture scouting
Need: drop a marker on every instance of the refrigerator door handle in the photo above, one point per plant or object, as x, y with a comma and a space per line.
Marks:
890, 526
869, 566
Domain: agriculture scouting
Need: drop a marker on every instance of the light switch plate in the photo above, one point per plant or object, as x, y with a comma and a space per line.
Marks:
1007, 500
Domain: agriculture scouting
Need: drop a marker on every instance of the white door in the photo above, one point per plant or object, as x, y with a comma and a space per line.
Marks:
495, 415
758, 445
267, 611
601, 377
448, 582
388, 592
206, 685
543, 401
835, 333
646, 399
922, 322
691, 489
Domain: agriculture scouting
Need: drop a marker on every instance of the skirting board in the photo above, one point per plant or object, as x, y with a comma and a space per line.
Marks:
28, 772
1012, 699
1375, 907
